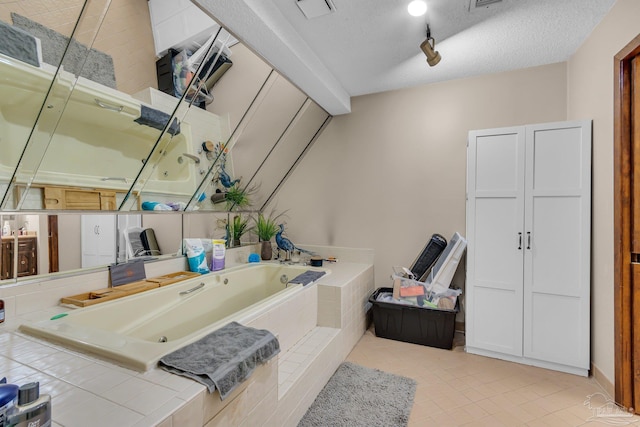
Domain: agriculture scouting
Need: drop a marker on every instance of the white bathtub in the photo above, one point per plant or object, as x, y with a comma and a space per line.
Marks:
130, 331
97, 143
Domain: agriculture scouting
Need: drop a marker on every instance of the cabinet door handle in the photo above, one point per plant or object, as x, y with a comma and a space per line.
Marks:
528, 240
519, 240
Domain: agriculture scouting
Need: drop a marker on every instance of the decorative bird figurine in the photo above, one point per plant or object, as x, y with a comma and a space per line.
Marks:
225, 179
286, 244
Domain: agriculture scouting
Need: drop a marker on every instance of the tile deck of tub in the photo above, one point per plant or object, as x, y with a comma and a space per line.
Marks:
87, 390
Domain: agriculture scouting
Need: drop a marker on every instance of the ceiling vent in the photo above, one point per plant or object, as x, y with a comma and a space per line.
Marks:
315, 8
480, 4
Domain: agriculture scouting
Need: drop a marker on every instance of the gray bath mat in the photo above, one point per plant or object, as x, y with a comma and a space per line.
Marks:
359, 396
97, 67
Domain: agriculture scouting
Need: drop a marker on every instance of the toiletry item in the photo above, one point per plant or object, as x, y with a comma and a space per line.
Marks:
217, 258
1, 311
316, 261
253, 257
32, 408
6, 229
8, 399
155, 206
196, 256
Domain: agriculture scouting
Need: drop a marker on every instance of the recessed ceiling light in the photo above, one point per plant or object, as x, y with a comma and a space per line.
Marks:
417, 8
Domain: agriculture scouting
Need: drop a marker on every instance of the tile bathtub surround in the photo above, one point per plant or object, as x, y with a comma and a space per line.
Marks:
86, 389
44, 295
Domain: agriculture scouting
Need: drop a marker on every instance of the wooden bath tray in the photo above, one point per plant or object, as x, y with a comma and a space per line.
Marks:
171, 278
90, 298
101, 295
137, 287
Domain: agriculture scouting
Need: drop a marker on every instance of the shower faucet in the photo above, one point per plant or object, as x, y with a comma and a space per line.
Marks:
192, 157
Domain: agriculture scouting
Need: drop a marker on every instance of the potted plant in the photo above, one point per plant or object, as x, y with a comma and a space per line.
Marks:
238, 226
236, 197
267, 227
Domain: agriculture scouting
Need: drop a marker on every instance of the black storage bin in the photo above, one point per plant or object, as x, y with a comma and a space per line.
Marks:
428, 256
164, 73
417, 325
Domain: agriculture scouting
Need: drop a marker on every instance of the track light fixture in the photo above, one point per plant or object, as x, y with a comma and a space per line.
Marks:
428, 47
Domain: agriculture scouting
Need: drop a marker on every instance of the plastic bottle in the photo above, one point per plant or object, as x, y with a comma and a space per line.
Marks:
8, 398
32, 409
6, 229
155, 206
1, 320
217, 258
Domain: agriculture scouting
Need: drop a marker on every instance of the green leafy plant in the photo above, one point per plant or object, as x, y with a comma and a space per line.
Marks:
237, 197
238, 227
267, 226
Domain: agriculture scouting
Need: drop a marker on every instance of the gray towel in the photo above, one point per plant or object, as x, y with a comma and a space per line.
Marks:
18, 44
307, 277
157, 119
224, 358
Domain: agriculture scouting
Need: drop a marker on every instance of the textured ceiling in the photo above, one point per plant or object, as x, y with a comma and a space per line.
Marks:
369, 46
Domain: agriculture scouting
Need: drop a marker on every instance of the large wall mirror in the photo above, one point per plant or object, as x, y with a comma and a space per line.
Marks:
114, 117
95, 116
36, 245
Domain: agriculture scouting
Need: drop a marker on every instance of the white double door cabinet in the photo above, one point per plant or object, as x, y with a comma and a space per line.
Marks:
528, 254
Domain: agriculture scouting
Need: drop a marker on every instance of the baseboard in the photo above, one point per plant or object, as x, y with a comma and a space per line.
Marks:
460, 327
603, 381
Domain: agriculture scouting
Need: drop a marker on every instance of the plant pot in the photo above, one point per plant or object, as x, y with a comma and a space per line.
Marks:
266, 251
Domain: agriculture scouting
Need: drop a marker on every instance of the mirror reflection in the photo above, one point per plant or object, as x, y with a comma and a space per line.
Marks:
91, 139
40, 244
26, 79
88, 150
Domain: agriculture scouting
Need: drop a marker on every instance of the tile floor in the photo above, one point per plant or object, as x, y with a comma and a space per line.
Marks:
459, 389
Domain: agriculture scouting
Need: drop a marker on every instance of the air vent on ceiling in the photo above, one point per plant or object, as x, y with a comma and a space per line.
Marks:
315, 8
477, 4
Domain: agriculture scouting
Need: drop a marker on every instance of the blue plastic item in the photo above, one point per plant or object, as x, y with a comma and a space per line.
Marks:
254, 258
8, 399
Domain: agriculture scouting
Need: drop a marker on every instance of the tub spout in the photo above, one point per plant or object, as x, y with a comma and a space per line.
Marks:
192, 157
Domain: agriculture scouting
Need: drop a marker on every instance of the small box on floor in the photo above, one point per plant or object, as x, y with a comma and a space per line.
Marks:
417, 325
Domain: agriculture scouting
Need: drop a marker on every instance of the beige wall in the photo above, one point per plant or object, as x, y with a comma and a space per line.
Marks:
590, 95
392, 173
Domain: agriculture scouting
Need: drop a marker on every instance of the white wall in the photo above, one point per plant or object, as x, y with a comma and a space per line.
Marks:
590, 95
392, 173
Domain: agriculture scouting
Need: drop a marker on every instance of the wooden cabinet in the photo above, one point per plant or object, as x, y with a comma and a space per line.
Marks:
6, 258
528, 256
27, 254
